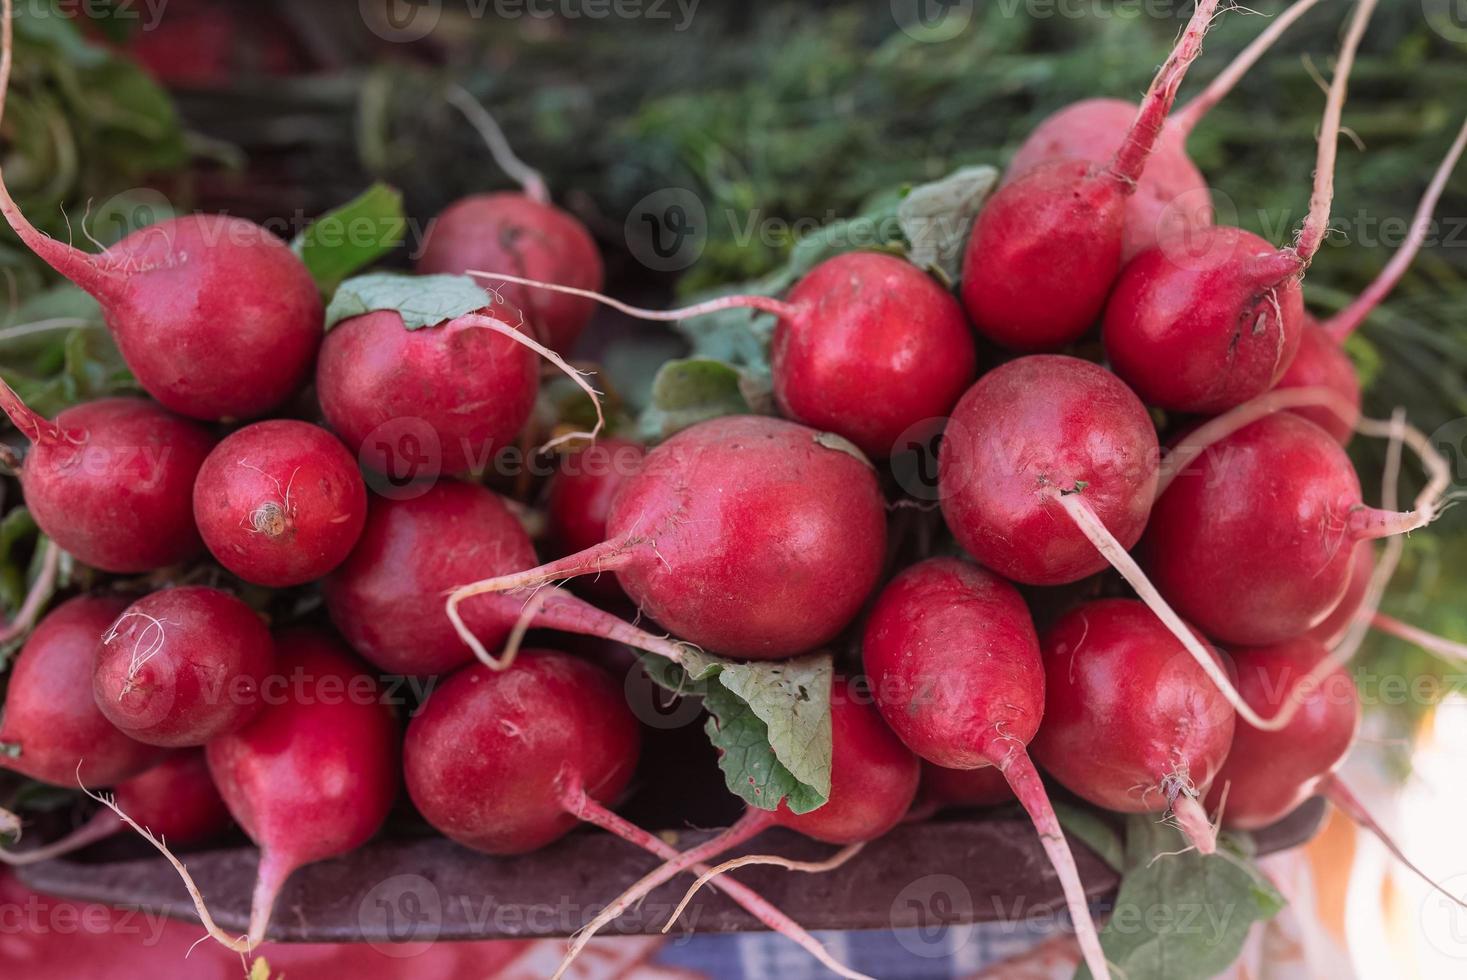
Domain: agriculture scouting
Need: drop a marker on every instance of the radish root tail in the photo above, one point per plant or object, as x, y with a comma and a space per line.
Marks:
103, 824
764, 304
811, 867
1335, 790
529, 179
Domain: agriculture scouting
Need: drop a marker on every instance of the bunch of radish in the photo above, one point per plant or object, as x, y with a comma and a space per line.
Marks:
747, 541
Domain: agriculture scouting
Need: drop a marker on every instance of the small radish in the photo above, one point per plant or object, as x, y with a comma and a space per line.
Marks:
1204, 322
507, 762
523, 234
955, 668
182, 666
1030, 434
280, 503
216, 317
51, 729
414, 403
110, 481
873, 781
867, 345
1047, 247
749, 536
1171, 195
175, 799
1322, 361
879, 347
579, 500
1131, 722
1268, 774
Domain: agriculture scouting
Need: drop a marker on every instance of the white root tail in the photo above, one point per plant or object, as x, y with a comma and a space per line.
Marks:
103, 824
765, 304
1438, 646
810, 867
529, 179
1335, 790
1192, 821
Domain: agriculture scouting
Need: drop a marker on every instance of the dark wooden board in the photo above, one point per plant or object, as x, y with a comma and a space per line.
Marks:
945, 872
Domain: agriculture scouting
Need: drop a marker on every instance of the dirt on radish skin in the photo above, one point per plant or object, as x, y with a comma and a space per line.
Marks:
1029, 431
280, 503
1131, 721
876, 347
954, 666
51, 719
417, 403
314, 774
578, 502
182, 666
111, 481
508, 232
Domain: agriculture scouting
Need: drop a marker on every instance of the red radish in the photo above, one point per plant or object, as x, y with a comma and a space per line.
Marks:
749, 536
1131, 721
955, 669
110, 481
1204, 322
175, 799
519, 233
507, 762
51, 728
965, 787
579, 500
1171, 195
182, 666
414, 403
873, 781
1047, 248
280, 503
216, 317
1321, 361
1332, 628
1030, 433
878, 348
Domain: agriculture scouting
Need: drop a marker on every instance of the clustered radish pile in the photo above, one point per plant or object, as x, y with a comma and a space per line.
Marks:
1216, 694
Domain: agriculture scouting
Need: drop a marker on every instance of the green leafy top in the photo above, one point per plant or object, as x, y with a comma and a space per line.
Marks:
352, 237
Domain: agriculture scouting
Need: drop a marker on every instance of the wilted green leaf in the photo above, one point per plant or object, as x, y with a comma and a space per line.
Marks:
423, 301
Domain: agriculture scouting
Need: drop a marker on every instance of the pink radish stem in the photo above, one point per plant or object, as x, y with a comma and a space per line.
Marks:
30, 423
1334, 789
268, 881
809, 867
1345, 322
1130, 159
764, 304
1439, 645
1186, 118
1192, 820
103, 824
36, 598
484, 124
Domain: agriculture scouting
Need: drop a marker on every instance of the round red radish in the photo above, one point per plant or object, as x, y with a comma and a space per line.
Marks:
488, 754
314, 775
1362, 566
52, 729
965, 787
216, 317
110, 481
1254, 542
414, 403
280, 503
1029, 431
1268, 774
875, 348
182, 666
386, 598
1131, 721
1322, 363
513, 233
579, 501
176, 800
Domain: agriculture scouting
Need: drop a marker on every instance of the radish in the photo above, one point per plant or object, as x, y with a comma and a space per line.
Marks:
965, 787
216, 317
280, 503
1032, 441
182, 666
1171, 195
873, 781
878, 348
1268, 774
175, 799
414, 403
51, 729
1321, 361
1131, 722
1204, 323
955, 668
507, 762
579, 500
1332, 628
521, 233
748, 536
110, 481
1047, 247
